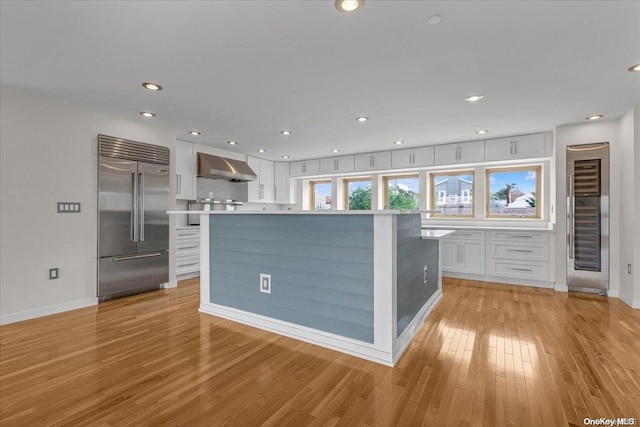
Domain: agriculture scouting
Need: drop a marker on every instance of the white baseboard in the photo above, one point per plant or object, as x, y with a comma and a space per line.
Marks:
414, 326
496, 279
560, 288
47, 310
324, 339
633, 303
170, 284
188, 276
613, 293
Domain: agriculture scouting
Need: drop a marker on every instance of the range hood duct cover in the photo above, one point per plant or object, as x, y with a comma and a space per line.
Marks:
216, 167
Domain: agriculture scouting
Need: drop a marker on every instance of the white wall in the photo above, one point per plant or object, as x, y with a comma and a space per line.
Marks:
48, 151
629, 135
586, 133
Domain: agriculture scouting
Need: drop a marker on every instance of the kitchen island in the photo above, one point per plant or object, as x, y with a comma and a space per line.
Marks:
359, 282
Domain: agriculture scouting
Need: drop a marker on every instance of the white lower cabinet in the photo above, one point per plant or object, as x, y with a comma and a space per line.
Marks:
463, 252
187, 251
521, 255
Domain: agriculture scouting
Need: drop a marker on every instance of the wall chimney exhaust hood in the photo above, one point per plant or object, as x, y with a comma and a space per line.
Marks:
216, 167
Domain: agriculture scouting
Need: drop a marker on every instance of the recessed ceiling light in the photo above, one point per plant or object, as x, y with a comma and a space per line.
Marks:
194, 132
362, 119
398, 142
232, 143
434, 20
474, 98
261, 150
482, 131
594, 117
634, 68
154, 87
147, 114
347, 6
285, 157
335, 150
286, 132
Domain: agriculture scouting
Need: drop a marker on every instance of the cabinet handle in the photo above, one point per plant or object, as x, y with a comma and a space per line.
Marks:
187, 265
522, 237
511, 148
261, 196
462, 254
520, 269
464, 234
304, 168
412, 158
275, 192
189, 247
515, 147
519, 250
335, 165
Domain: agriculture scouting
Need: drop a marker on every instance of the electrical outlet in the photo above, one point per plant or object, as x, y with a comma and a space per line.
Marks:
425, 274
53, 273
265, 283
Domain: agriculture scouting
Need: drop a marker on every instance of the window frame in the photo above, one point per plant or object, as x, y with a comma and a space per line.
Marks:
312, 192
487, 193
345, 190
385, 184
433, 197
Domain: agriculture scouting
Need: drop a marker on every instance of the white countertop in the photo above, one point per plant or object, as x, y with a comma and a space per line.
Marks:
436, 234
488, 227
287, 212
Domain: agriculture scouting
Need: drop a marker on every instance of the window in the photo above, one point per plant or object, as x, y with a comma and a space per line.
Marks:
513, 192
320, 195
401, 192
451, 193
357, 193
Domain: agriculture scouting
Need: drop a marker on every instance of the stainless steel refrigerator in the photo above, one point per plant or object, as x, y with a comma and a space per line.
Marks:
588, 217
133, 225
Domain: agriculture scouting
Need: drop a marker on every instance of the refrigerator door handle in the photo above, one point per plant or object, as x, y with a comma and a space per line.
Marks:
134, 208
572, 219
127, 258
141, 207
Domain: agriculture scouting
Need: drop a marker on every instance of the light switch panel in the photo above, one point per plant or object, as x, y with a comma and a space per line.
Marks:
68, 207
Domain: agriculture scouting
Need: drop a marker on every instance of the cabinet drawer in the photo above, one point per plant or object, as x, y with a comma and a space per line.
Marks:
468, 235
188, 244
520, 270
520, 236
530, 252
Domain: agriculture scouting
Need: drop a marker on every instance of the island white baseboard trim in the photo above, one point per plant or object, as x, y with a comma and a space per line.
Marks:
633, 303
414, 326
497, 279
169, 284
313, 336
47, 310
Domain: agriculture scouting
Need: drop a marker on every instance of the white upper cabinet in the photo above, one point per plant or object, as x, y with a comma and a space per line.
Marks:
284, 193
518, 147
261, 190
464, 152
373, 161
337, 164
304, 168
412, 157
186, 170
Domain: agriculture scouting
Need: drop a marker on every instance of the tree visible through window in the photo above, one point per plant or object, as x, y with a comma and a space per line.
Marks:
401, 192
358, 193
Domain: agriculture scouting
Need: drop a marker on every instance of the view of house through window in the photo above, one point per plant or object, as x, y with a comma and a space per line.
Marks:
357, 193
513, 192
320, 195
401, 192
451, 193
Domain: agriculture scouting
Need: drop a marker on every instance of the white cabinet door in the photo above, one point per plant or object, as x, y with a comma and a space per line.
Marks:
518, 147
261, 190
412, 157
472, 257
450, 255
373, 161
337, 164
185, 171
446, 154
471, 152
304, 168
284, 193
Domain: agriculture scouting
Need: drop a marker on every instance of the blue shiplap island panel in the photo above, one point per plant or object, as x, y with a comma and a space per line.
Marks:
413, 253
321, 269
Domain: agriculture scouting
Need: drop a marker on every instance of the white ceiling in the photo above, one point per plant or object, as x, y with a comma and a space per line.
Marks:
245, 70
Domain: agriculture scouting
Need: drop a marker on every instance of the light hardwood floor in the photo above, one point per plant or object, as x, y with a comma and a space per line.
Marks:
489, 355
